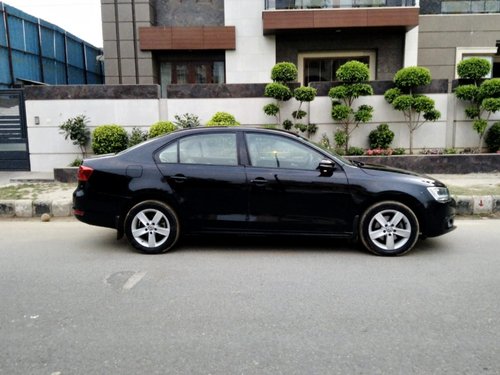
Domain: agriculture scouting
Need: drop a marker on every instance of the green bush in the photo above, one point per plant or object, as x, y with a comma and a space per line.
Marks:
473, 68
353, 71
284, 72
137, 136
107, 139
355, 151
412, 76
223, 119
381, 137
278, 91
493, 137
161, 128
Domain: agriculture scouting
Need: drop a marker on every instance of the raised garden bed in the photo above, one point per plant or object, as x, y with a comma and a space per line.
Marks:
439, 164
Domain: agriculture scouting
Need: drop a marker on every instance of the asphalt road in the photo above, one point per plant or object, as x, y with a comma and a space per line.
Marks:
73, 300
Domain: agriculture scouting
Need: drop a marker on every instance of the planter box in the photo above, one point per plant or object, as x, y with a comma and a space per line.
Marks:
67, 174
439, 164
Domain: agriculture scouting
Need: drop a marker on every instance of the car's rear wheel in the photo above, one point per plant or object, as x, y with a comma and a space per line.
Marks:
389, 228
152, 227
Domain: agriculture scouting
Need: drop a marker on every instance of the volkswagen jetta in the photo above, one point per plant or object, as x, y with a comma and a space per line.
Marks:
256, 181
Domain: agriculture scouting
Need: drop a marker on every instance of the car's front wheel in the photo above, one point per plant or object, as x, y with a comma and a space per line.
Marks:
152, 227
389, 228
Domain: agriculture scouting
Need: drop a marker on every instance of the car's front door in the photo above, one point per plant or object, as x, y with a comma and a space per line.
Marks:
288, 193
207, 181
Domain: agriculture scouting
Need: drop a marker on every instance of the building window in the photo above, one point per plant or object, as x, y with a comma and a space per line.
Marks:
317, 67
487, 53
180, 72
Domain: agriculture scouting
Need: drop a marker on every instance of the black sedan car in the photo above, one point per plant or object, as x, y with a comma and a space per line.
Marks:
256, 181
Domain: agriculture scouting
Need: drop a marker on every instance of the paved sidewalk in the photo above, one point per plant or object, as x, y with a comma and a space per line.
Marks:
59, 203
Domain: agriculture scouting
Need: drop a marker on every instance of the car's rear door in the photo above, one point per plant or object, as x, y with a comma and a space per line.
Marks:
287, 191
206, 180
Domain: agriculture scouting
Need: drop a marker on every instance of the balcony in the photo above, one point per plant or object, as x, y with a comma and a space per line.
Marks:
473, 6
286, 15
327, 4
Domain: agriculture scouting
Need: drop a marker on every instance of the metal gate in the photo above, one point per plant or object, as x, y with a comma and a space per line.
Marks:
14, 153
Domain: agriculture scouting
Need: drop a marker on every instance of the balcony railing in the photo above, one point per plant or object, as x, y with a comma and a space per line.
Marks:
325, 4
472, 6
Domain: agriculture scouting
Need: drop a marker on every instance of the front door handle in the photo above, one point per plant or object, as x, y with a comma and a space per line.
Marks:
259, 181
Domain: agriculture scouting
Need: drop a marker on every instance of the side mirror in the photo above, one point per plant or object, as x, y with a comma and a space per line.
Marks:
326, 167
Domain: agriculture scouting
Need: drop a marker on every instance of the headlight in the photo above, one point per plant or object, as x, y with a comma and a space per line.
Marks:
441, 194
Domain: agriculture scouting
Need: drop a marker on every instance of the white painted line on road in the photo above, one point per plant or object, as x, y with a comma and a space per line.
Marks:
133, 280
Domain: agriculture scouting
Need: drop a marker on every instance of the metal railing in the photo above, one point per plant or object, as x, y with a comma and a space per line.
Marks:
326, 4
471, 6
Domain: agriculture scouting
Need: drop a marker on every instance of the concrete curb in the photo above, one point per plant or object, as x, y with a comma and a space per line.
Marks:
466, 206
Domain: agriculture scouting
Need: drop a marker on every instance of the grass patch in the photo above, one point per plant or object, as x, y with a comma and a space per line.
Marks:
32, 190
475, 190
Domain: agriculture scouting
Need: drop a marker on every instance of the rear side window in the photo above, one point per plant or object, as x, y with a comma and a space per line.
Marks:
209, 149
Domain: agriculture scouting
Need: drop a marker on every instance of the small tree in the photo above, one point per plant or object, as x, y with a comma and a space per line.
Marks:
282, 74
76, 129
482, 95
353, 76
304, 94
417, 109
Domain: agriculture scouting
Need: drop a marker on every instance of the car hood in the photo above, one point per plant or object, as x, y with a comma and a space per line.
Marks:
380, 170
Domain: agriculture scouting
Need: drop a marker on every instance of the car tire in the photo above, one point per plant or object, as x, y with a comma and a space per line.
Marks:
152, 227
389, 228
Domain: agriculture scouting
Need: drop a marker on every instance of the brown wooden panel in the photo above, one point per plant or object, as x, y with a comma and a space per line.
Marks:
339, 18
187, 38
219, 38
151, 38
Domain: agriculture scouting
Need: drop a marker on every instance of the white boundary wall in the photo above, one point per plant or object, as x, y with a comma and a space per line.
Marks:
49, 149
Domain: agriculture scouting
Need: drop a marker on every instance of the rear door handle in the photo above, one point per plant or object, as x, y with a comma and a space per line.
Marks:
179, 178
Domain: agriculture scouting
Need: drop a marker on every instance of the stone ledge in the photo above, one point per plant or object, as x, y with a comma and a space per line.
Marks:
466, 206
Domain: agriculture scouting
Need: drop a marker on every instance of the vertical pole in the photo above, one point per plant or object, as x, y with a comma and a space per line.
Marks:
9, 46
40, 55
66, 70
118, 50
85, 67
134, 31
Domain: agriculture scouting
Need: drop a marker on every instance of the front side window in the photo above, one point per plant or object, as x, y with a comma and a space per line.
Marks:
274, 151
209, 149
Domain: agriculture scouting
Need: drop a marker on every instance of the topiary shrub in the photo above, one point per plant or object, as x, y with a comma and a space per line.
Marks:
284, 72
352, 76
493, 138
482, 96
417, 109
161, 128
223, 119
107, 139
381, 137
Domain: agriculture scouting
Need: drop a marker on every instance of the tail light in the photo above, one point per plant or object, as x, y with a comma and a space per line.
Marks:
84, 173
